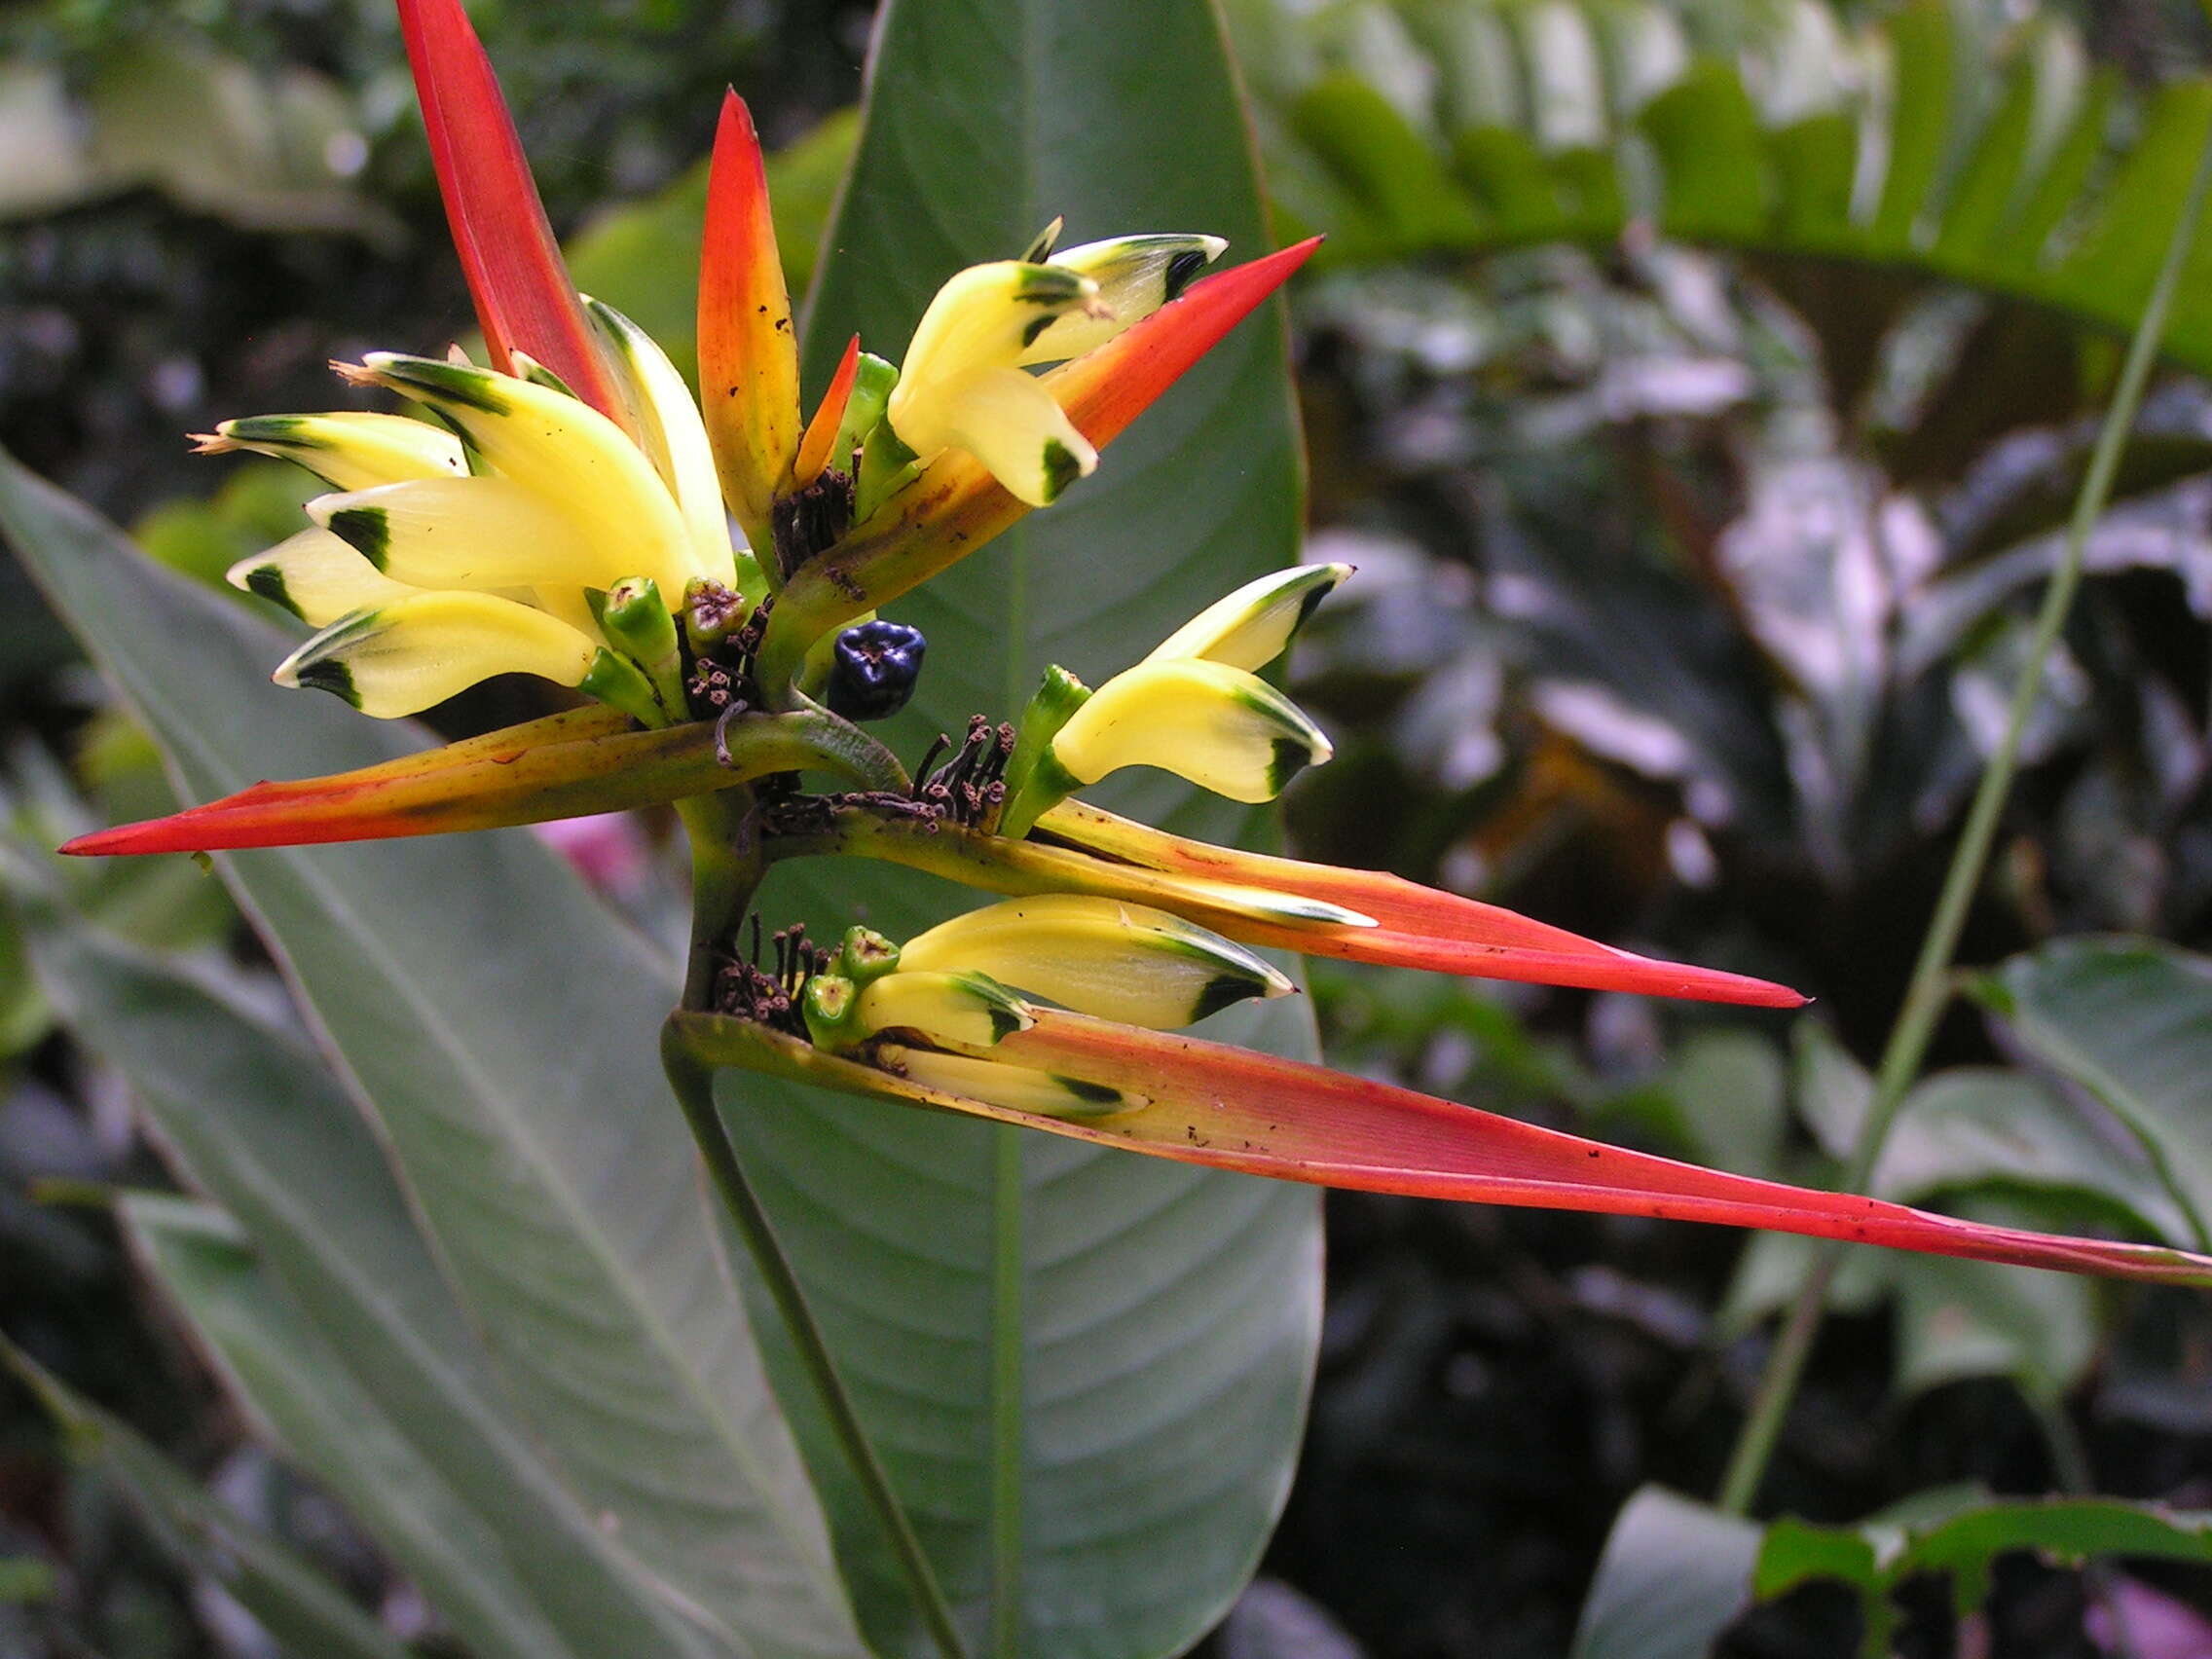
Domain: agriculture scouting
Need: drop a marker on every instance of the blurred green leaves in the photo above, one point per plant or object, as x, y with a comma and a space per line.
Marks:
1676, 1573
271, 151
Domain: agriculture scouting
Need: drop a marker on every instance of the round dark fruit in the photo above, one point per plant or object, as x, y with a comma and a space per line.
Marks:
873, 668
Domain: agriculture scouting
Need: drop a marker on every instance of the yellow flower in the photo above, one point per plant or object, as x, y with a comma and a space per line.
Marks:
1194, 707
963, 386
453, 553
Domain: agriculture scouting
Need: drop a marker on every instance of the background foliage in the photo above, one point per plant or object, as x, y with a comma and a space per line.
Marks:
1674, 383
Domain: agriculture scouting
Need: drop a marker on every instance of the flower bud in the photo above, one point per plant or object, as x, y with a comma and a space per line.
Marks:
318, 577
1018, 1089
1219, 727
636, 621
347, 450
1099, 956
951, 1011
1135, 275
1251, 627
401, 657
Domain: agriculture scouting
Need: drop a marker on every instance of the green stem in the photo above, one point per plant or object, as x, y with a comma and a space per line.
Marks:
842, 745
1007, 1386
693, 1084
1929, 991
726, 866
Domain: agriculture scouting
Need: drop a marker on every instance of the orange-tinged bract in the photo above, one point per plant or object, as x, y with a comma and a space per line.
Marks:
748, 355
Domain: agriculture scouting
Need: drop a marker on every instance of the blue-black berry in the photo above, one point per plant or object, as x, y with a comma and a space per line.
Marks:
873, 668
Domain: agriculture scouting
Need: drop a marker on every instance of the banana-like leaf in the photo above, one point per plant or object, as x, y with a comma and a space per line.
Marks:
1085, 1371
2130, 1020
501, 1026
306, 1615
293, 1381
259, 1124
1898, 149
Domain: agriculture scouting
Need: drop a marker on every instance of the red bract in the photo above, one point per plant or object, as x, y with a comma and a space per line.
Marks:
1416, 926
1228, 1108
525, 301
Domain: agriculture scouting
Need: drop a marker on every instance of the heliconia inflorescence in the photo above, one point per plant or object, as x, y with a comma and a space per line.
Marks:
566, 512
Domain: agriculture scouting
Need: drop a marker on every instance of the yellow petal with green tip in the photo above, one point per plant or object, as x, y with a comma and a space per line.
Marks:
675, 438
484, 534
1135, 275
404, 656
959, 388
1226, 730
1251, 627
953, 1011
985, 318
1099, 956
1008, 421
345, 450
316, 576
1019, 1089
582, 464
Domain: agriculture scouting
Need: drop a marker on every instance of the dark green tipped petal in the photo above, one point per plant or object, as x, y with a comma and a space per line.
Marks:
264, 428
1181, 272
1051, 285
1225, 992
1220, 726
450, 383
1098, 1095
365, 530
1104, 957
329, 674
1292, 756
1062, 467
268, 581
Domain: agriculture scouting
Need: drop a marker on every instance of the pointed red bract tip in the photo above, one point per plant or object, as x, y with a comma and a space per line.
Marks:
1106, 390
525, 300
822, 431
1232, 1108
747, 358
1415, 926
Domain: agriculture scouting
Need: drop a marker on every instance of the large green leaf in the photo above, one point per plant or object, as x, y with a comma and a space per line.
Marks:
502, 1028
1086, 1370
261, 1125
1913, 157
294, 1381
306, 1615
2130, 1020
